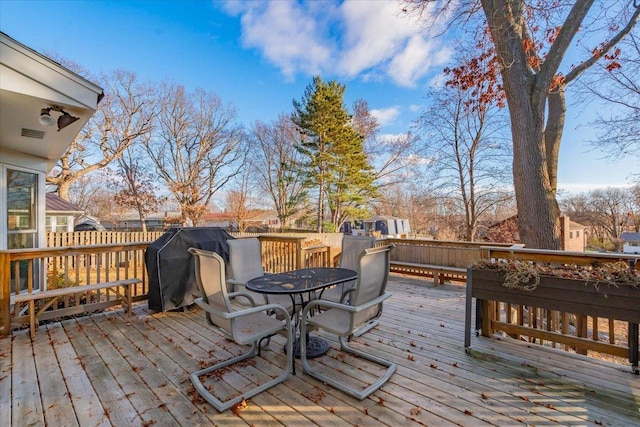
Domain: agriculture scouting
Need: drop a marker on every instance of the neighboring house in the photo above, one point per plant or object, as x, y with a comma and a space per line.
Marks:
130, 221
60, 214
263, 219
573, 235
35, 92
219, 219
630, 242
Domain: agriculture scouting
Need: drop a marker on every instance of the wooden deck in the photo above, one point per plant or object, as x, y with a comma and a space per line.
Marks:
109, 370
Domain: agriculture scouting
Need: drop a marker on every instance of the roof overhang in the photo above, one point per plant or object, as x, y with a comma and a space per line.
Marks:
30, 82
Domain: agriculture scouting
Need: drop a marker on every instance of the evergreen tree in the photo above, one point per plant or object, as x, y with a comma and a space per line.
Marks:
336, 163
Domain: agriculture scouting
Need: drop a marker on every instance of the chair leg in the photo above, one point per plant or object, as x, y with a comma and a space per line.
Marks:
223, 406
359, 394
367, 327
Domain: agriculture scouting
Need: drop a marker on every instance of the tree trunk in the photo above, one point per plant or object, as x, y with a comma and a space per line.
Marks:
320, 206
553, 133
143, 223
527, 94
538, 211
63, 189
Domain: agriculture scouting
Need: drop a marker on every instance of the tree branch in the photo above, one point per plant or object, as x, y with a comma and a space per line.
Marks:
573, 74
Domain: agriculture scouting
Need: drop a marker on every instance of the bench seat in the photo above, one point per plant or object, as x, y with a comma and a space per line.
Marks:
124, 297
439, 272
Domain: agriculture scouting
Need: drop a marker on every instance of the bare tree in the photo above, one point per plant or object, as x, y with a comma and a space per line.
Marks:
607, 213
239, 199
532, 41
617, 82
197, 148
276, 165
610, 210
392, 156
135, 186
123, 117
416, 203
463, 137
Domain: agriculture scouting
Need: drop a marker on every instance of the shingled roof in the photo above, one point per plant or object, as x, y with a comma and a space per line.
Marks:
629, 236
58, 205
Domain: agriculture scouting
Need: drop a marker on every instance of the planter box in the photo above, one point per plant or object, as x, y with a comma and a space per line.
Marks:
620, 302
555, 293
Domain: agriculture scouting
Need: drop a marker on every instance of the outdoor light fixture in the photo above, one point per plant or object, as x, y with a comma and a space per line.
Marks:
45, 117
63, 121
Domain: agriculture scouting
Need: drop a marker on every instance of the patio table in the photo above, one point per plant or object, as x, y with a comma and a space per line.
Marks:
302, 285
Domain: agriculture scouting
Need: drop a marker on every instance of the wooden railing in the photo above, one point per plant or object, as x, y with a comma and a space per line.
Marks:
35, 270
432, 258
28, 270
544, 317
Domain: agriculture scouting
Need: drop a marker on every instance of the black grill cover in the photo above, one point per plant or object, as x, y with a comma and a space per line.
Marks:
171, 269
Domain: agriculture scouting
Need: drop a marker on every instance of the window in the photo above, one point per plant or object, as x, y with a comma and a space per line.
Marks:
57, 224
571, 234
22, 219
22, 188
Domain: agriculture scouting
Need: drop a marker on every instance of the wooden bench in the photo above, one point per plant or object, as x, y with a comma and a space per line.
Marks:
123, 298
439, 272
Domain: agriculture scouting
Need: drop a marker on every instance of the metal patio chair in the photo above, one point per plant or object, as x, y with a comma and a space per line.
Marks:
245, 326
245, 260
343, 319
352, 248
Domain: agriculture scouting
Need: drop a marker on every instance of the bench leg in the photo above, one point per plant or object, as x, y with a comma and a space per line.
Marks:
32, 319
128, 298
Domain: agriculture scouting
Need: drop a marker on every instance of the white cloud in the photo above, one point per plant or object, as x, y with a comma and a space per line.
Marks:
287, 36
415, 61
372, 35
385, 115
371, 40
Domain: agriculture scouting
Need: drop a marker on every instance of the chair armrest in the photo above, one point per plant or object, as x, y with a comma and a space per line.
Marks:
345, 293
345, 307
235, 282
233, 295
244, 312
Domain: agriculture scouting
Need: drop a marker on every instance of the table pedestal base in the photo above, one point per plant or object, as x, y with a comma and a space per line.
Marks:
316, 347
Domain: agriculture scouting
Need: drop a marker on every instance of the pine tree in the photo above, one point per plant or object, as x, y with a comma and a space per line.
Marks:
336, 163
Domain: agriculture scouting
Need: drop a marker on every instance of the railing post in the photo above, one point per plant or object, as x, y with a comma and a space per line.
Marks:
299, 254
5, 293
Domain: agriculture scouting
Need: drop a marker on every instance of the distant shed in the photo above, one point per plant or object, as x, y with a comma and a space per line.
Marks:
630, 242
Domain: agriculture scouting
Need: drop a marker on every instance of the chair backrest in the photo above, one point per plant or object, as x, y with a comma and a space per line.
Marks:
373, 273
245, 259
210, 278
352, 248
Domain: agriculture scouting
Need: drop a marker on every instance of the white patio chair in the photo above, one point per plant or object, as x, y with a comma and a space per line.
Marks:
245, 260
342, 319
245, 327
352, 248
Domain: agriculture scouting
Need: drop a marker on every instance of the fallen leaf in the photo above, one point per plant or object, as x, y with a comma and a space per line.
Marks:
239, 407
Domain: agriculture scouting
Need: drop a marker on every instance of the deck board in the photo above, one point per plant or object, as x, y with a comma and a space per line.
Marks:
51, 381
107, 369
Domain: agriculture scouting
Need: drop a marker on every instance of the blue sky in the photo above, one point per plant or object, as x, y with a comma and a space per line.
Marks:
259, 56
